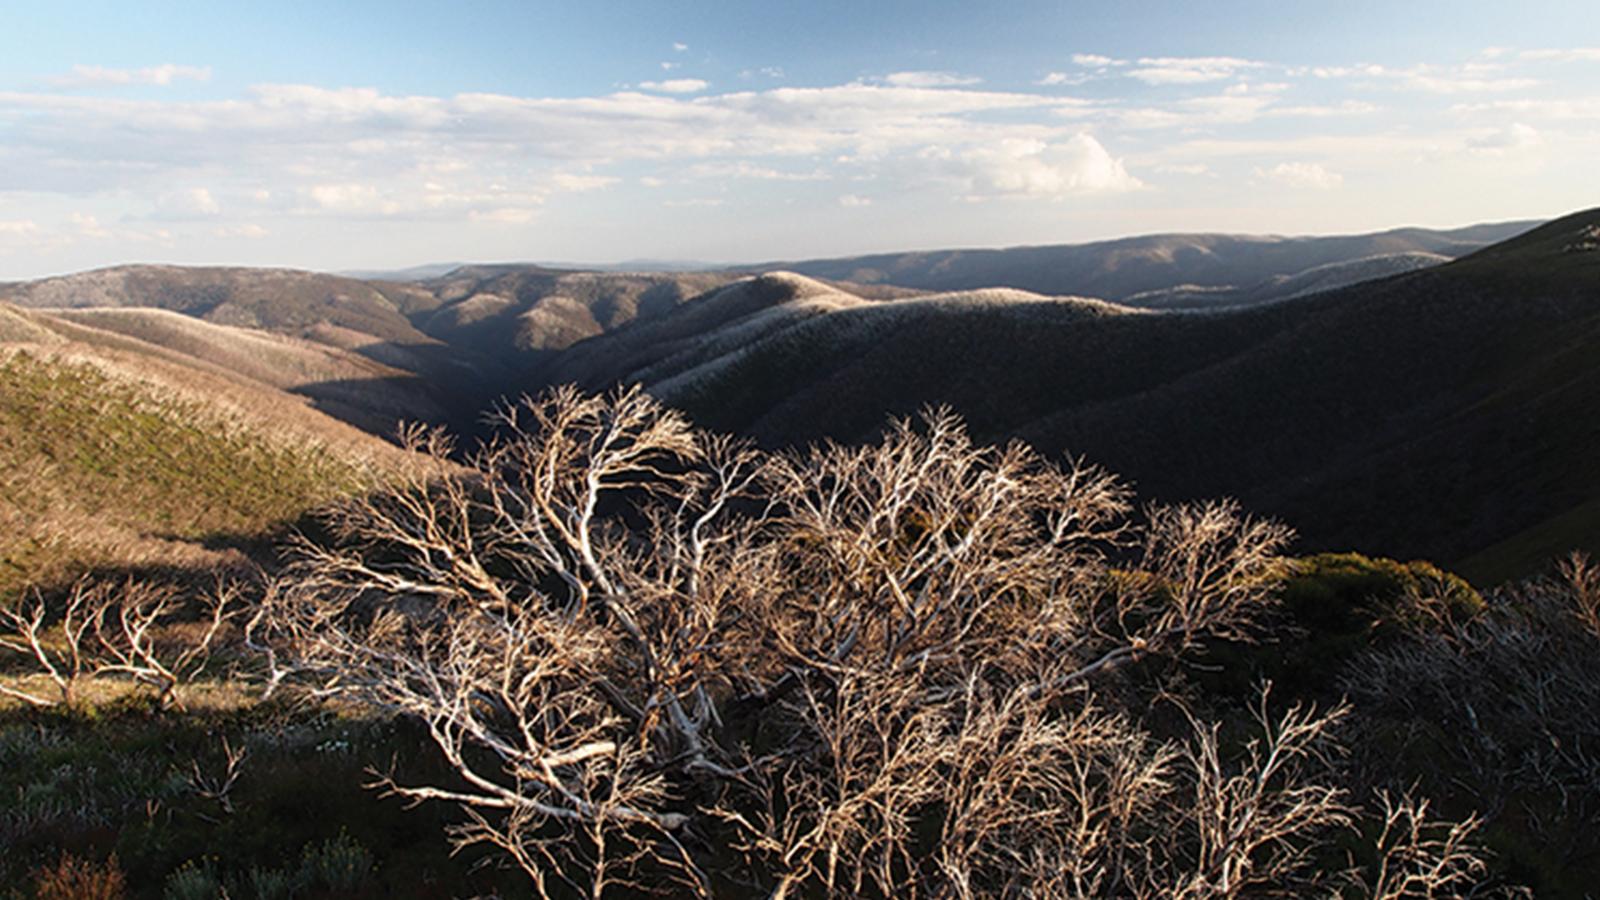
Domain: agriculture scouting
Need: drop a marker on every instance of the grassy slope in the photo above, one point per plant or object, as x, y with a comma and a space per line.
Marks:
112, 460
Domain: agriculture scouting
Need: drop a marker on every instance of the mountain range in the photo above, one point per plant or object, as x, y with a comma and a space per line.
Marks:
1408, 393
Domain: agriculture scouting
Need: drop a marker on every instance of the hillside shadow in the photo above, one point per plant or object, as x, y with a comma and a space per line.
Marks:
380, 406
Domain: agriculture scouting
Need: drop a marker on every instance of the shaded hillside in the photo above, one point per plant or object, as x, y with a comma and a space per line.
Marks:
1119, 269
1325, 277
1438, 414
112, 455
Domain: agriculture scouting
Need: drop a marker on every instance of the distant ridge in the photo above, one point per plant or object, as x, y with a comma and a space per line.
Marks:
1123, 268
1359, 414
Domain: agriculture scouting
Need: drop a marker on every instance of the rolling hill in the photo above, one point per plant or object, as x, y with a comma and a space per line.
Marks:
1445, 413
1245, 266
120, 453
1346, 384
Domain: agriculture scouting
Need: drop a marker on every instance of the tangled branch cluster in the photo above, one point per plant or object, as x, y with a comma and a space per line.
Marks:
659, 658
134, 630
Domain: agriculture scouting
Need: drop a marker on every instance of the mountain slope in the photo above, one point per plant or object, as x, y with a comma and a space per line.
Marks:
117, 454
1324, 277
346, 385
1436, 413
1119, 269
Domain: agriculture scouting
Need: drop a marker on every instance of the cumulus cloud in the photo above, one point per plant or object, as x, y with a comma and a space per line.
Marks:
165, 74
930, 79
1095, 60
19, 227
676, 86
1162, 70
854, 200
1301, 175
1077, 165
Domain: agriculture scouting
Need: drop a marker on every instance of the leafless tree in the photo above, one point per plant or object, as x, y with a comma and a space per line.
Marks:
28, 634
218, 786
894, 669
130, 629
1423, 857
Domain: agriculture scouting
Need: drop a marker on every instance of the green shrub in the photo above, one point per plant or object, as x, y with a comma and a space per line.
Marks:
339, 863
1336, 606
194, 882
271, 884
1348, 592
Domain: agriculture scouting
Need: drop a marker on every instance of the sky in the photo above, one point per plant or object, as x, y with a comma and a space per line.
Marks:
379, 135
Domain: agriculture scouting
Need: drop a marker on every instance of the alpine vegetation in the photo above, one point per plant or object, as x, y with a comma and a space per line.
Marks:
654, 658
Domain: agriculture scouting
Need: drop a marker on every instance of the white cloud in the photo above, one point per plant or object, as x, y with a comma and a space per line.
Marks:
350, 198
1163, 70
1469, 78
750, 170
679, 46
19, 228
854, 200
576, 183
1576, 108
1301, 175
1570, 54
1184, 169
248, 230
1095, 60
194, 203
676, 86
694, 203
1435, 82
504, 215
1342, 108
1078, 165
1052, 79
165, 74
1514, 137
930, 79
86, 225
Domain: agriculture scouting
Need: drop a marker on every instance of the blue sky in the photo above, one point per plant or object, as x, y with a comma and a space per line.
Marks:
361, 135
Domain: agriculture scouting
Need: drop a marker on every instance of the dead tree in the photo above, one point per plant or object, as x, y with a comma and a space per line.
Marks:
884, 670
127, 629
